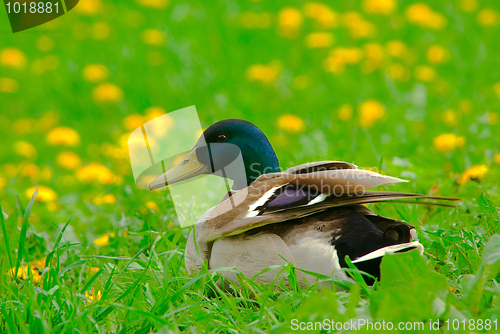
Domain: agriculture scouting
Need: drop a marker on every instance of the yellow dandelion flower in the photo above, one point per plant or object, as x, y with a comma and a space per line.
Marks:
301, 81
157, 4
153, 37
44, 43
422, 15
8, 85
53, 207
30, 170
379, 6
12, 57
418, 12
103, 240
447, 142
291, 123
253, 20
369, 66
24, 272
45, 194
322, 14
289, 22
94, 269
152, 206
357, 26
450, 117
399, 72
104, 199
496, 88
370, 112
319, 40
154, 112
114, 152
496, 158
48, 121
40, 263
436, 54
89, 7
348, 55
68, 160
3, 182
468, 5
37, 277
334, 64
95, 73
374, 51
339, 57
95, 172
46, 173
264, 73
487, 17
364, 29
397, 48
492, 118
475, 173
465, 106
93, 296
107, 93
63, 136
25, 149
134, 121
100, 30
425, 73
345, 112
10, 169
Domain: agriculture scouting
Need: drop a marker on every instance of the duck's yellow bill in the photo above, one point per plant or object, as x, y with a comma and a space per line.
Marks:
188, 168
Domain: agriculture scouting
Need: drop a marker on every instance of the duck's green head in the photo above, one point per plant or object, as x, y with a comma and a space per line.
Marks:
220, 144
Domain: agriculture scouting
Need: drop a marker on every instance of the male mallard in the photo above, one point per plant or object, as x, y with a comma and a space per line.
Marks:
310, 215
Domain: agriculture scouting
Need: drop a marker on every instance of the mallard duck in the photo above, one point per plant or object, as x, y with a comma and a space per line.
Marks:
311, 215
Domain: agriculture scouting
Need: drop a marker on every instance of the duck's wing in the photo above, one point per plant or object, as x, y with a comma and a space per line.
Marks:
316, 243
299, 192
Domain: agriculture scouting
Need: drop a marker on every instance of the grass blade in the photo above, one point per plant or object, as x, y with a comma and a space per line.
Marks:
51, 254
24, 229
5, 237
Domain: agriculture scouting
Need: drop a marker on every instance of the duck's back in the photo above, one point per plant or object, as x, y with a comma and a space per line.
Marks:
316, 243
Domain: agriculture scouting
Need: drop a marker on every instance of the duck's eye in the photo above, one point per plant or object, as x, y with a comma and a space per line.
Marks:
222, 137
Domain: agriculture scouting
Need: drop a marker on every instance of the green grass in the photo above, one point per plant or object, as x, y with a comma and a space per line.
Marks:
208, 49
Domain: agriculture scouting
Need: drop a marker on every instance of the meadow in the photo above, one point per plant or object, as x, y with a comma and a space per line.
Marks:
408, 87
